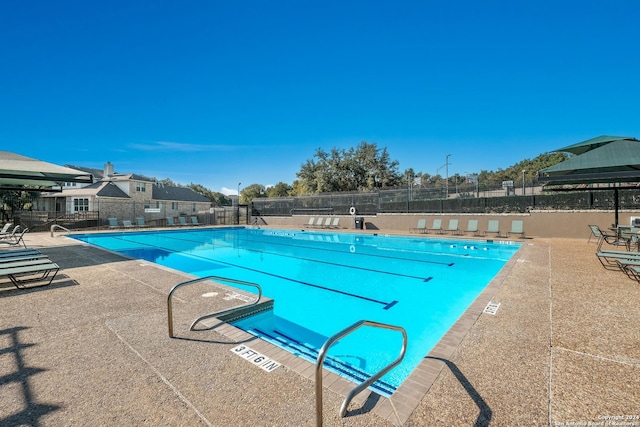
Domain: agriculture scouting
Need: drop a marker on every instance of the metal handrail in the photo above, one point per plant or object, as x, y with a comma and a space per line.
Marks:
54, 226
323, 352
218, 313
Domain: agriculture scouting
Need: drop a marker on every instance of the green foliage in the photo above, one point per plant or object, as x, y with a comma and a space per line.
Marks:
279, 190
251, 192
217, 199
357, 169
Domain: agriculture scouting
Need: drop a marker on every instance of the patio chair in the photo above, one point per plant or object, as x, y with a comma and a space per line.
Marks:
113, 223
311, 222
5, 228
318, 223
517, 227
452, 227
194, 220
604, 236
16, 240
140, 222
22, 272
127, 223
421, 226
335, 222
436, 227
609, 257
493, 227
10, 234
170, 221
327, 222
472, 227
182, 221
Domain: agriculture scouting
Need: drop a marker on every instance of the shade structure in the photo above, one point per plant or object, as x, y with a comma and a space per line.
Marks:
609, 160
18, 172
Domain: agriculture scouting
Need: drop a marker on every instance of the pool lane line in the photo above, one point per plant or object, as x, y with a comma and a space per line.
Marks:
385, 304
306, 247
335, 264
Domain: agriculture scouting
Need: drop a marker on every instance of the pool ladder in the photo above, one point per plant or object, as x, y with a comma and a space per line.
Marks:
217, 313
359, 388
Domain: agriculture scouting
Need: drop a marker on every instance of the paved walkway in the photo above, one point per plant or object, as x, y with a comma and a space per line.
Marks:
93, 349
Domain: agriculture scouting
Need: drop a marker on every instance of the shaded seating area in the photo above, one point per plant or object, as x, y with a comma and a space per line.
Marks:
27, 267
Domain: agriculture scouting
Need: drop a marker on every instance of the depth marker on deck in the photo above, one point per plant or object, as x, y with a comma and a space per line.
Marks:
260, 360
492, 308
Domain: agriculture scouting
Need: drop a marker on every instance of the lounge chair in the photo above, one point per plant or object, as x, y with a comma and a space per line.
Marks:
5, 228
16, 240
170, 221
472, 227
605, 237
318, 223
311, 222
327, 222
127, 224
182, 221
30, 271
140, 222
21, 255
421, 226
13, 253
436, 226
516, 228
194, 220
10, 235
453, 227
113, 223
609, 258
335, 223
493, 227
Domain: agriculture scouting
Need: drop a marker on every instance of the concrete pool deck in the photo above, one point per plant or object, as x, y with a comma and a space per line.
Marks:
93, 349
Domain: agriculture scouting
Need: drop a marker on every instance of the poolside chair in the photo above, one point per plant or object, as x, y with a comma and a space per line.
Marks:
113, 223
453, 227
318, 223
335, 222
609, 258
421, 226
22, 272
10, 235
16, 240
516, 228
194, 220
604, 237
140, 222
493, 227
311, 222
182, 221
436, 227
472, 227
5, 228
327, 223
127, 224
170, 221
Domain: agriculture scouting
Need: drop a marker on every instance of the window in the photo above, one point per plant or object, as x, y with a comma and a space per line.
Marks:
141, 187
174, 206
70, 184
80, 205
147, 204
193, 208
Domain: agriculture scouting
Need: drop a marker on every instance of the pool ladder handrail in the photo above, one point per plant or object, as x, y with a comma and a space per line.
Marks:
360, 387
215, 314
54, 226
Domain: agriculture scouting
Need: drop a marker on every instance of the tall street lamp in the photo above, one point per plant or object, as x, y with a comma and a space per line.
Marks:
238, 204
523, 187
446, 180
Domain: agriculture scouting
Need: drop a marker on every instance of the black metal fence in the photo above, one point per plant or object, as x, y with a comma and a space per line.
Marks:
403, 201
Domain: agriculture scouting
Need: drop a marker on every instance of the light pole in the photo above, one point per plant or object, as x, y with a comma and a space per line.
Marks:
238, 204
446, 180
523, 187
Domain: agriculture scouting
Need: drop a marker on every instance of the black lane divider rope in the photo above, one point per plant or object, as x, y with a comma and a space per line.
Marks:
386, 305
425, 279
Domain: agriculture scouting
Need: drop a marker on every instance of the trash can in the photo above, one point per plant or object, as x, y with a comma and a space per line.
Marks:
359, 222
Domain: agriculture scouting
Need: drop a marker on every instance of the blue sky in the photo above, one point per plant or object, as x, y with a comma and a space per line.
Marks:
218, 93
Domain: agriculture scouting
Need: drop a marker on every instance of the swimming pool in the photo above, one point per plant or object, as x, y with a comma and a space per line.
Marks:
322, 282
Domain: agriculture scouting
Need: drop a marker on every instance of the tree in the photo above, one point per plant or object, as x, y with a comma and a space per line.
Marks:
251, 192
279, 190
358, 169
217, 199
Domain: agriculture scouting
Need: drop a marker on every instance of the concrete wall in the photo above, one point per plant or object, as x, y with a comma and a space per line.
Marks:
568, 224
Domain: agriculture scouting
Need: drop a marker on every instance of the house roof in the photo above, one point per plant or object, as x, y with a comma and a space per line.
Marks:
181, 194
100, 189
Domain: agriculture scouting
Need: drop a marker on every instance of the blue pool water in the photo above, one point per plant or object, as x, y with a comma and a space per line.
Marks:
323, 282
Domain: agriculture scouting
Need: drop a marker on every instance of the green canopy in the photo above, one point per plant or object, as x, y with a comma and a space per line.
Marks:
24, 173
590, 144
610, 160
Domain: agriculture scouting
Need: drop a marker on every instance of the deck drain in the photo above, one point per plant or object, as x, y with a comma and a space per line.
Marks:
492, 308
